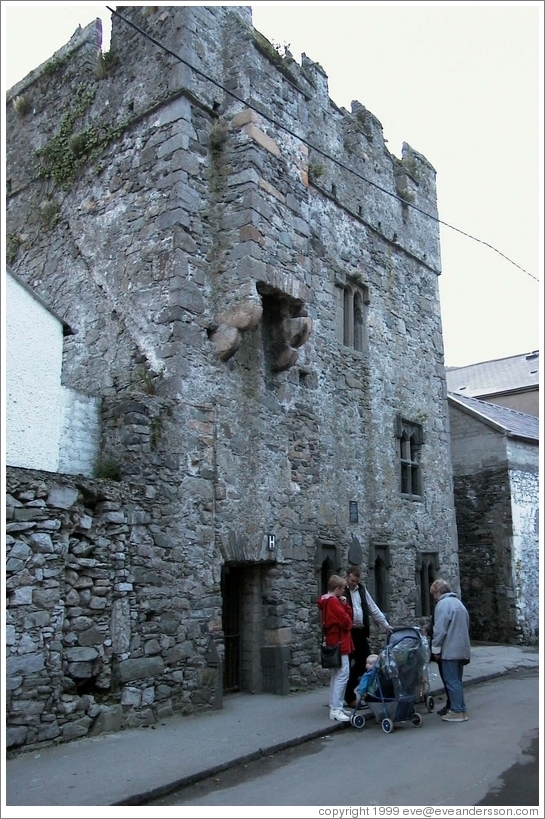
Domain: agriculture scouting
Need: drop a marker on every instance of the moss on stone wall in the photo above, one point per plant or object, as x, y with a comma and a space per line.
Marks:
69, 150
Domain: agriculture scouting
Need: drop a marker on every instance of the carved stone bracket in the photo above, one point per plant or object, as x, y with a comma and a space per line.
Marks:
233, 322
286, 332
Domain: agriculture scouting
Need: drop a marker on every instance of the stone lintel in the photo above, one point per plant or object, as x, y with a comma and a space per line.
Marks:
277, 637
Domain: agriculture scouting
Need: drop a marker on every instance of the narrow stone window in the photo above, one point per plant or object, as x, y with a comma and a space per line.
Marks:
358, 321
327, 561
427, 570
378, 576
348, 317
354, 327
410, 440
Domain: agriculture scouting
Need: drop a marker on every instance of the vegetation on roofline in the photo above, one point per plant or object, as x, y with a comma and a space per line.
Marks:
21, 105
405, 195
106, 64
55, 64
272, 53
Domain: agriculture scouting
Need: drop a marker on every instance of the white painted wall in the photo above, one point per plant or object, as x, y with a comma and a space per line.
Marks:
80, 433
524, 480
34, 342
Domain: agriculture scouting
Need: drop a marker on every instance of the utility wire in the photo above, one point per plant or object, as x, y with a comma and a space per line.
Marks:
306, 142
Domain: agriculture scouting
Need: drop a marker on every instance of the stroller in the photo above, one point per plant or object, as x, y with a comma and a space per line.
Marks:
400, 681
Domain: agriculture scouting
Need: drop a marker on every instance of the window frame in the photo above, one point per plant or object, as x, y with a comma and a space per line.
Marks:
410, 438
379, 558
426, 563
354, 301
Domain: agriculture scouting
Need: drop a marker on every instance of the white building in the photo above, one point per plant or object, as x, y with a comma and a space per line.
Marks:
34, 342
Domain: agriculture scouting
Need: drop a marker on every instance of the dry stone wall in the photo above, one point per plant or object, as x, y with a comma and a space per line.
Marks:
96, 639
201, 244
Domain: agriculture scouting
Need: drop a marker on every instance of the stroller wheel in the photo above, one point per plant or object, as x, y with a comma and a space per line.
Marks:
430, 704
387, 726
417, 720
357, 720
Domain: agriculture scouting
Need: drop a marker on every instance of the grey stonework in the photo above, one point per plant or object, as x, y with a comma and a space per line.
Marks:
209, 261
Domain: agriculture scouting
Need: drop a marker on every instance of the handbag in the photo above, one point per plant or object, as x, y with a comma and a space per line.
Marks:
330, 655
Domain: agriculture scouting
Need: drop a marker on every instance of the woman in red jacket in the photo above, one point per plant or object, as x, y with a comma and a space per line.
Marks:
337, 624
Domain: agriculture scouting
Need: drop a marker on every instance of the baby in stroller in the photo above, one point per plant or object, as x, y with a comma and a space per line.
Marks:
394, 680
368, 680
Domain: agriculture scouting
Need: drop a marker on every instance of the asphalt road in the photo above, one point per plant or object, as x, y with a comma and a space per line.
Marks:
490, 760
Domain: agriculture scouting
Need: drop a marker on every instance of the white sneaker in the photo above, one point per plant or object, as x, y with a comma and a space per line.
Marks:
338, 715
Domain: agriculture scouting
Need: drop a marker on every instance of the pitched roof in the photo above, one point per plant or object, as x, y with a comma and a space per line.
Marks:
502, 375
510, 422
66, 328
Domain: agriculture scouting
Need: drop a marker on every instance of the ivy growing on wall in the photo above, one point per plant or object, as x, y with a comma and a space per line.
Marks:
12, 247
69, 150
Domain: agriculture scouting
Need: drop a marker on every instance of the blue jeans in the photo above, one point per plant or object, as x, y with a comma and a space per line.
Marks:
452, 676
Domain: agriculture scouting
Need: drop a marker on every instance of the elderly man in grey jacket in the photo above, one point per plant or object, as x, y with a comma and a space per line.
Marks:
450, 642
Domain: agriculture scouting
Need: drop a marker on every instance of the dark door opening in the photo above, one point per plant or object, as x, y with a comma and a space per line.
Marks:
231, 584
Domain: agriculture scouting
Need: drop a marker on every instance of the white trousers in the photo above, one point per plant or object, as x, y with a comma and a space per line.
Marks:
337, 685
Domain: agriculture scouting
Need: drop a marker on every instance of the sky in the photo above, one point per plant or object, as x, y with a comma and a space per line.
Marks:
462, 83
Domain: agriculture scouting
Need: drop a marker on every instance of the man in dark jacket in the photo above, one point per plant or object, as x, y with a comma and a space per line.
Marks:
450, 642
363, 607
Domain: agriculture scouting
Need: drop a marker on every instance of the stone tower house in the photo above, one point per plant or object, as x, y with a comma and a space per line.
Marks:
253, 282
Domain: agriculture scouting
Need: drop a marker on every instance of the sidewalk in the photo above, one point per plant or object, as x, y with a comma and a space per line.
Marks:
128, 767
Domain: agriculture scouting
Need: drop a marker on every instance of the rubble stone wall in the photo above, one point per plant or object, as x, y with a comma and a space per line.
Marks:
96, 638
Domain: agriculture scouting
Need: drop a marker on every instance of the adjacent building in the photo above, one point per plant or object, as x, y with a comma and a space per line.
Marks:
510, 382
494, 412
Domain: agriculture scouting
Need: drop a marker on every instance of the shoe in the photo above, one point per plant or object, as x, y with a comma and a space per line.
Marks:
338, 715
442, 711
455, 716
352, 704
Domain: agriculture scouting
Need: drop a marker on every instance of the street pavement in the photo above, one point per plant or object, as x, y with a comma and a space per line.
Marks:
135, 765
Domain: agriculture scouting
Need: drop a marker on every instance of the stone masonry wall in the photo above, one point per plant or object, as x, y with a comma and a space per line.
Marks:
201, 243
96, 640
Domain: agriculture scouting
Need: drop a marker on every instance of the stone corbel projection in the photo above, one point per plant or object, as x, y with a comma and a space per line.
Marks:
231, 324
286, 337
285, 329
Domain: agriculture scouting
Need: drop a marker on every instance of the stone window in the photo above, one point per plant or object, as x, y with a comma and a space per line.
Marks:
327, 561
378, 583
427, 570
354, 322
410, 439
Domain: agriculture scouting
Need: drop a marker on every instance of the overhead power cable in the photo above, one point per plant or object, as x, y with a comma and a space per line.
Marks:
309, 144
